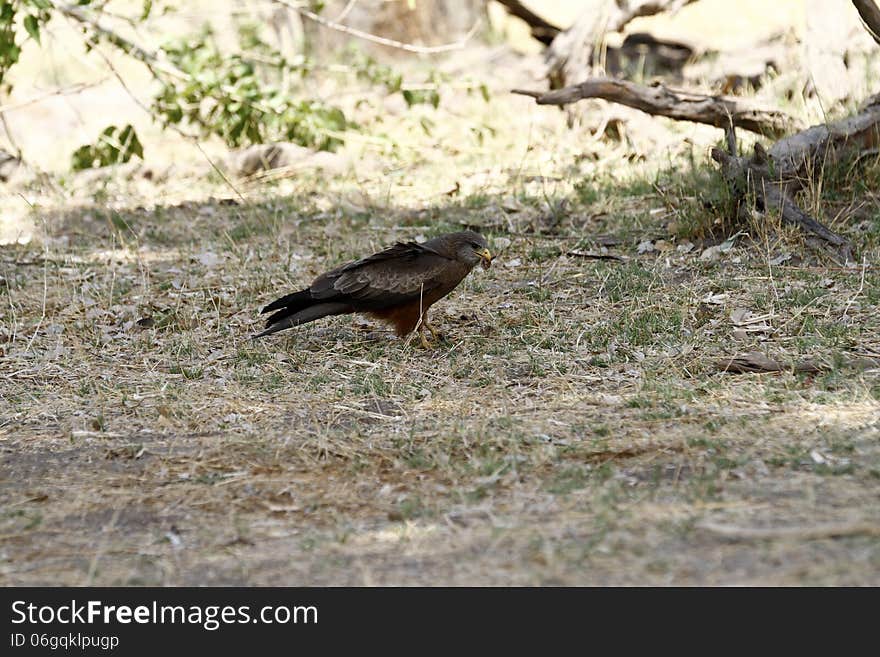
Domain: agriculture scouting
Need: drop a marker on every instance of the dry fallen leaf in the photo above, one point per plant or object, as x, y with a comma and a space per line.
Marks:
646, 246
209, 259
715, 299
779, 259
739, 316
710, 254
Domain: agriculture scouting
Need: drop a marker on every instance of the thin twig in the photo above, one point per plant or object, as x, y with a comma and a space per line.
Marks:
9, 136
102, 546
65, 91
43, 303
346, 10
858, 292
151, 60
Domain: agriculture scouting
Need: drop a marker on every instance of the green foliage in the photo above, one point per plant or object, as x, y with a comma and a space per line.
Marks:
251, 96
421, 96
428, 93
147, 8
228, 96
114, 146
9, 49
32, 26
368, 68
33, 13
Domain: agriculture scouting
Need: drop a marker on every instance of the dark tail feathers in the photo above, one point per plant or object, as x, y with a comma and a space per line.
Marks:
298, 308
292, 302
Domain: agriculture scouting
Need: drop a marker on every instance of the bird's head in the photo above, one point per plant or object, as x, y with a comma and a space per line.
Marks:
472, 248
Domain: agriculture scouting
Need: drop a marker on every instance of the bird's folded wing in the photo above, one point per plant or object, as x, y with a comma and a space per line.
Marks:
401, 251
388, 280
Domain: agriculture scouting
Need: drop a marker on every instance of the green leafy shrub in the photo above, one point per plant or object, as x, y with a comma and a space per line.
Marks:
114, 146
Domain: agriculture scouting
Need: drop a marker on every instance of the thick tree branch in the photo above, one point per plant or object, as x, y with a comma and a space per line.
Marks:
773, 177
870, 14
541, 30
719, 111
625, 11
751, 178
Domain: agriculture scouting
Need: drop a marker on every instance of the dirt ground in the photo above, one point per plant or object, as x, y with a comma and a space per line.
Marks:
574, 426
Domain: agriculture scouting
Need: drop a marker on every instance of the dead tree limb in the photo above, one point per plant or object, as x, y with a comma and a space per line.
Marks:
541, 29
773, 177
718, 111
756, 362
799, 154
870, 14
623, 12
828, 530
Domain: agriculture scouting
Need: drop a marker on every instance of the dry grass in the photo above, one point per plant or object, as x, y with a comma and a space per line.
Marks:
573, 428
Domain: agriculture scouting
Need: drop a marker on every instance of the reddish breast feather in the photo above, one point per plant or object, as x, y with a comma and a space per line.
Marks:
404, 318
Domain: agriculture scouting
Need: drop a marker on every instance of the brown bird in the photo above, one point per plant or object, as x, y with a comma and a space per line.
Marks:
397, 285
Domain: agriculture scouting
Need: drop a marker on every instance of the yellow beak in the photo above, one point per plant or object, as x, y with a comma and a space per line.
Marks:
486, 257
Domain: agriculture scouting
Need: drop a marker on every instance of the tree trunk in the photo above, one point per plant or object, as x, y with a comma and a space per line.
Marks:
571, 58
423, 22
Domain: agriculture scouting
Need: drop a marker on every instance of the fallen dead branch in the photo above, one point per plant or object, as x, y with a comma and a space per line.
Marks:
593, 255
756, 362
634, 452
830, 530
660, 100
804, 153
752, 176
773, 177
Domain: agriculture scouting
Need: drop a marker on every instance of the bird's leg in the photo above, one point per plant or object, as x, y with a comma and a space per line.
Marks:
427, 325
427, 344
